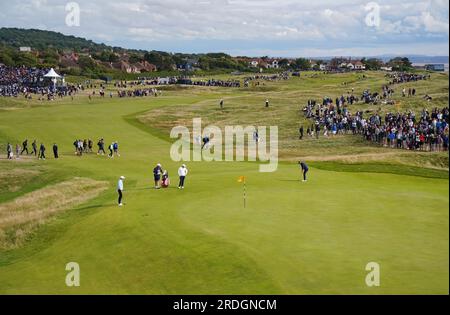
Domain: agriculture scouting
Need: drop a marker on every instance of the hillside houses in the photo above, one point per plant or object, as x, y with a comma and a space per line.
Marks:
352, 65
344, 64
336, 64
320, 66
265, 63
69, 60
139, 67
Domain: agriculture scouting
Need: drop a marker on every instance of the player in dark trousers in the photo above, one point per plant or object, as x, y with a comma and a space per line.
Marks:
120, 190
111, 150
182, 173
157, 171
24, 147
101, 147
304, 169
55, 151
34, 146
42, 152
9, 151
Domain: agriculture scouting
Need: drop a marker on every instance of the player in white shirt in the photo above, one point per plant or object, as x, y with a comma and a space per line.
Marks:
182, 173
120, 189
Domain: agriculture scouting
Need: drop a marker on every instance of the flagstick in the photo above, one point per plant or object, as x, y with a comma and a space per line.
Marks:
245, 195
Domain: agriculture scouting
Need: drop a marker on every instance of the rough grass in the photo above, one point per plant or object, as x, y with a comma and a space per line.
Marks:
245, 107
18, 218
371, 167
15, 179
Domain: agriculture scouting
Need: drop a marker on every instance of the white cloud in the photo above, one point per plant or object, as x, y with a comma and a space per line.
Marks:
318, 23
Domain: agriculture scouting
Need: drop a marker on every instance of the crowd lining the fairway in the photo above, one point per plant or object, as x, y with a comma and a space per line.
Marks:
428, 132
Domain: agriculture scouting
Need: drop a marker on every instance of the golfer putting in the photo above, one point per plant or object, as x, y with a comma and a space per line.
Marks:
120, 190
304, 168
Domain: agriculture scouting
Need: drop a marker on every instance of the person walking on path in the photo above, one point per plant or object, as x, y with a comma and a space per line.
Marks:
42, 152
24, 147
182, 173
111, 150
34, 146
9, 152
101, 147
116, 148
17, 150
120, 190
55, 151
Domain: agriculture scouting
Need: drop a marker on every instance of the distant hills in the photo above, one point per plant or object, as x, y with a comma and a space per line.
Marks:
41, 40
79, 56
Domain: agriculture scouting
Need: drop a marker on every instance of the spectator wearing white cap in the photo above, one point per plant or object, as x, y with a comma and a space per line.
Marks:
120, 189
182, 172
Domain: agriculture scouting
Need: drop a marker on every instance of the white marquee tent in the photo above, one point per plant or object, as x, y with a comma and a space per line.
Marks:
54, 77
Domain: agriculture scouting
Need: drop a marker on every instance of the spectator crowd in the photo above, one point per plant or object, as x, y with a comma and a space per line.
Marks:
25, 81
428, 131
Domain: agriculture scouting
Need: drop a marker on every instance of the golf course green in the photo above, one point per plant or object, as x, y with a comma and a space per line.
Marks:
291, 238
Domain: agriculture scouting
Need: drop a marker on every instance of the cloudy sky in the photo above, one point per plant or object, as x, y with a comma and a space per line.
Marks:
248, 27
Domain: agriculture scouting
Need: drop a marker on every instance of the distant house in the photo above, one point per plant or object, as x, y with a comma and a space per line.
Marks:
124, 67
254, 63
352, 65
386, 68
315, 66
145, 66
186, 66
358, 65
25, 49
139, 67
271, 64
69, 60
435, 67
189, 64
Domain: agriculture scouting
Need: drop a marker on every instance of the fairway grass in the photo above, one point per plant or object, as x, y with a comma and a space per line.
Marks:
292, 238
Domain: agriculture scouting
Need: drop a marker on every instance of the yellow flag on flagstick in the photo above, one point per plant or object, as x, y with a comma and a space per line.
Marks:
241, 179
